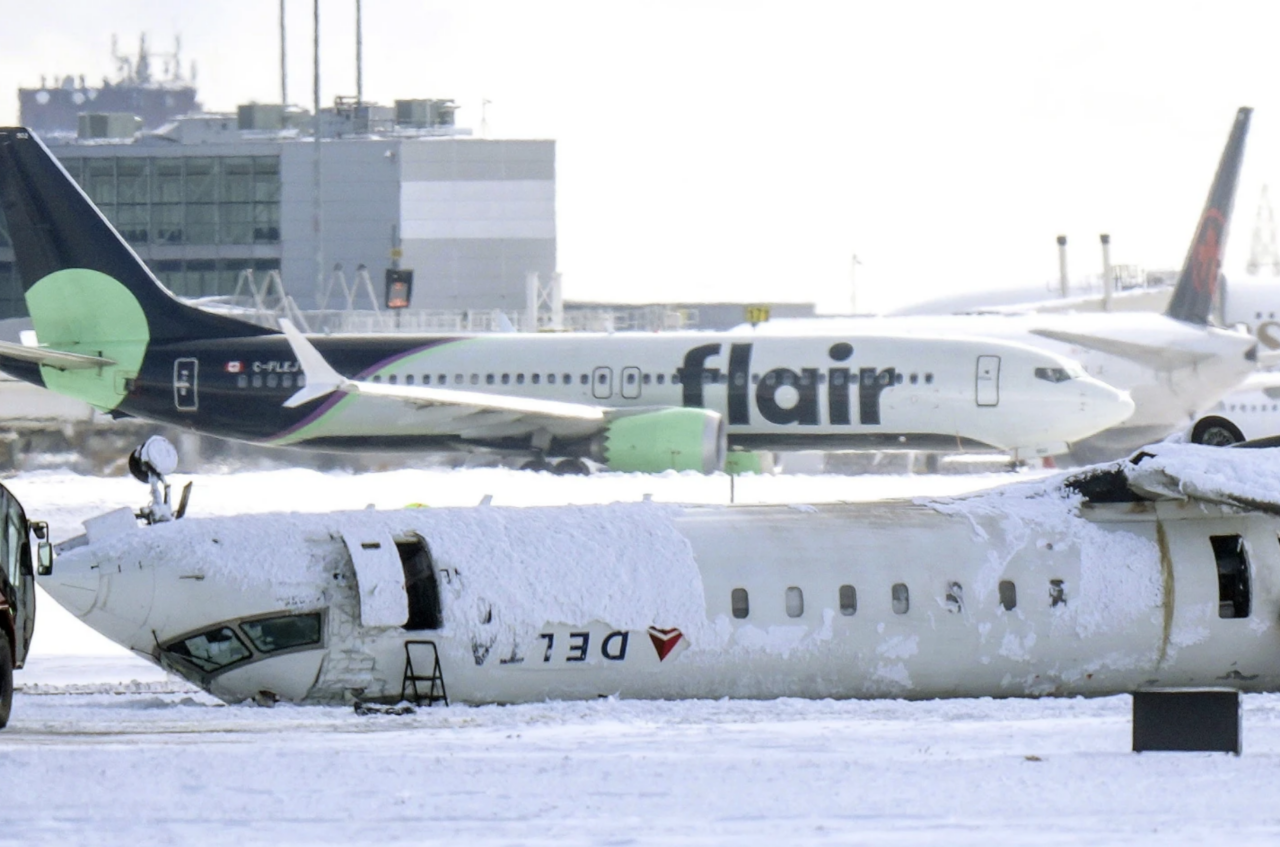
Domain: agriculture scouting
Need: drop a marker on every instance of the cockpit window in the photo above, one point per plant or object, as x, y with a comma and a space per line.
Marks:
283, 633
212, 650
1056, 374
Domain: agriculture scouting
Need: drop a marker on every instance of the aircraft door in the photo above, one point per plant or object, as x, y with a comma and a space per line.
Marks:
630, 387
602, 383
184, 384
379, 578
988, 381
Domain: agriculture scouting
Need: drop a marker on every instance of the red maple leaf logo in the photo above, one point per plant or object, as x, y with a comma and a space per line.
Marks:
664, 640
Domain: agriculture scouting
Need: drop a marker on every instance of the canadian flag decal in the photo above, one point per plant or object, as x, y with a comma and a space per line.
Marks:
664, 640
234, 367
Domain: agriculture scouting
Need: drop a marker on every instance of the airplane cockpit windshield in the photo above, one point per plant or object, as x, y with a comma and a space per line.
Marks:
218, 648
1058, 374
212, 650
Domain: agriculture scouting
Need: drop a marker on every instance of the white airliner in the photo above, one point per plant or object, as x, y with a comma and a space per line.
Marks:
1174, 365
108, 333
1159, 572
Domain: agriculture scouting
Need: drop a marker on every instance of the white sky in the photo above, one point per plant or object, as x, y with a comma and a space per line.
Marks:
746, 150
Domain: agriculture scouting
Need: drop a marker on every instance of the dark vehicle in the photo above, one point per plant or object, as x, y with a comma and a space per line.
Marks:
17, 590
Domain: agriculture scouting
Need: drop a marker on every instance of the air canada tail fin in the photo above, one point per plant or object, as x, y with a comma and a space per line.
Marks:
1193, 296
82, 282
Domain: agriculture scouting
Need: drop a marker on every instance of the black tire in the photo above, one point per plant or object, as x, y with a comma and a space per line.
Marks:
6, 679
571, 467
1216, 432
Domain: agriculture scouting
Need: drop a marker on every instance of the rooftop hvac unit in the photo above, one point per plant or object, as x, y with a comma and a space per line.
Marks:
108, 125
268, 116
425, 113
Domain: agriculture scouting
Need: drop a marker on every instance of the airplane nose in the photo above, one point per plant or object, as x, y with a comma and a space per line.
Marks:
111, 593
1107, 403
73, 583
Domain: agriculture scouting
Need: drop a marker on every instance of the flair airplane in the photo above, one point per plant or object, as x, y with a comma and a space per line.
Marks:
108, 333
1175, 365
1157, 573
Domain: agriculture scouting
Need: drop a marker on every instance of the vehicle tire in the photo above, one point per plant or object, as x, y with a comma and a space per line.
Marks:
6, 679
1216, 432
571, 467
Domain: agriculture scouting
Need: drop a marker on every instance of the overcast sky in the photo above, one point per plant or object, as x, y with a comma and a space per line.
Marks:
747, 150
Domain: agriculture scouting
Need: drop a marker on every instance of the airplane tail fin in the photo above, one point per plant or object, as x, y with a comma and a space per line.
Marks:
83, 284
1193, 296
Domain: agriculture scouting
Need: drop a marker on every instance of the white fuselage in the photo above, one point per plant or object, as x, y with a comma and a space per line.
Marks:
1021, 592
851, 389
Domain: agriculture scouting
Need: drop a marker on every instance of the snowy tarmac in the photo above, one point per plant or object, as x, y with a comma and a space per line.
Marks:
105, 748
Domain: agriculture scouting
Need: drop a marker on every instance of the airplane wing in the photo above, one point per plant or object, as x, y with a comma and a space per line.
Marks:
489, 415
59, 359
1153, 356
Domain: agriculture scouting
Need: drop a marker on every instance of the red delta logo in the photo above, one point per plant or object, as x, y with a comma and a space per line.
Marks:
1207, 256
235, 367
664, 640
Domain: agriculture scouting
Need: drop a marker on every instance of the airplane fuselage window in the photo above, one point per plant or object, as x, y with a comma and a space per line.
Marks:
506, 379
257, 380
1057, 593
1008, 595
795, 602
391, 380
928, 379
519, 379
273, 380
475, 379
662, 378
242, 381
376, 378
210, 651
645, 379
1233, 575
441, 379
286, 380
408, 379
955, 597
584, 379
738, 600
283, 633
901, 598
488, 379
848, 600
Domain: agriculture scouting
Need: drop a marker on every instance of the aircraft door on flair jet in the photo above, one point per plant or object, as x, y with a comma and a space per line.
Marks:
988, 381
602, 383
630, 386
184, 384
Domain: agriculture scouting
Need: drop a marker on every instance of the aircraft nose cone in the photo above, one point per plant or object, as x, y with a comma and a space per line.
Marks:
106, 588
1110, 404
73, 583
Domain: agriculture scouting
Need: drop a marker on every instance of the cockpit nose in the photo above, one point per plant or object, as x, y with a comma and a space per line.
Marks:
1105, 402
110, 591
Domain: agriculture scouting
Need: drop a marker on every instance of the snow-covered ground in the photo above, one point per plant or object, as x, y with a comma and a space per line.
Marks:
104, 748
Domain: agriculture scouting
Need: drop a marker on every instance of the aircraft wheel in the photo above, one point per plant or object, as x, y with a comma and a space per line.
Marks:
1216, 432
538, 464
6, 680
571, 467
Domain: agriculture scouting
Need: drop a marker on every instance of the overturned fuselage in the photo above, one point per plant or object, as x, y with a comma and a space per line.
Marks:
1153, 574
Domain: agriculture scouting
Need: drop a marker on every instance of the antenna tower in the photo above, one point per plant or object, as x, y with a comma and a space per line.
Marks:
1264, 253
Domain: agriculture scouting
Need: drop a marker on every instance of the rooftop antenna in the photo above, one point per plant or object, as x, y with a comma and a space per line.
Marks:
284, 68
359, 59
1263, 253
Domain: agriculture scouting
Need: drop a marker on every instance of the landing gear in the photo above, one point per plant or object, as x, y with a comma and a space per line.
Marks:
1216, 432
571, 467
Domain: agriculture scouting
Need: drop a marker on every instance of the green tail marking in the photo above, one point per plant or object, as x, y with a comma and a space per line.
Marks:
83, 311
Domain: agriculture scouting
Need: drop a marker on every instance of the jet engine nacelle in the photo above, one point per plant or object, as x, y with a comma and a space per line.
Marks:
678, 439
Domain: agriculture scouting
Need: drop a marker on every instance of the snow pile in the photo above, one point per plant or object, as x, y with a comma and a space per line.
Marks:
1243, 477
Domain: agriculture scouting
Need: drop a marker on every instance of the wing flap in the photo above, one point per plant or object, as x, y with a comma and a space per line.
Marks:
1159, 358
59, 359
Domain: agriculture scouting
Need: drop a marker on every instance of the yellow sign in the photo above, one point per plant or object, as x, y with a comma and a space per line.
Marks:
757, 314
397, 253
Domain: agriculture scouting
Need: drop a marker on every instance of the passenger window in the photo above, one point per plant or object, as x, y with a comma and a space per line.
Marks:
1233, 576
257, 380
488, 379
795, 602
242, 381
519, 379
376, 378
1057, 593
391, 380
475, 379
457, 379
584, 379
955, 597
442, 379
283, 633
551, 379
901, 599
536, 378
568, 379
1008, 595
645, 380
210, 651
287, 380
631, 378
408, 379
273, 380
928, 379
662, 378
848, 600
738, 599
426, 379
675, 379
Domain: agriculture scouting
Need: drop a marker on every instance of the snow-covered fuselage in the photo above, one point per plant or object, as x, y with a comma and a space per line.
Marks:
1105, 585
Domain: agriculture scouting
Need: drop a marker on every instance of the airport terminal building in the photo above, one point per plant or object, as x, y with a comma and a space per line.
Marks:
209, 196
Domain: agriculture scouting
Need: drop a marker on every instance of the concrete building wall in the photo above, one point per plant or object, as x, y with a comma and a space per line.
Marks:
476, 216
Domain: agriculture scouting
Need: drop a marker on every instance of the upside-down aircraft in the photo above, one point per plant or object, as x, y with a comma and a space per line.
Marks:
1153, 574
107, 332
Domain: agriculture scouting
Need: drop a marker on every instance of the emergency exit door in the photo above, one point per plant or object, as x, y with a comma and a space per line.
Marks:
184, 384
988, 381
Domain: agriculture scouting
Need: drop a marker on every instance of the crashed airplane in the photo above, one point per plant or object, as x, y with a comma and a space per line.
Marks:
1161, 572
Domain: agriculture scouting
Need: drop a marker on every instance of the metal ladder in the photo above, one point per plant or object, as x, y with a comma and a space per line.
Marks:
434, 692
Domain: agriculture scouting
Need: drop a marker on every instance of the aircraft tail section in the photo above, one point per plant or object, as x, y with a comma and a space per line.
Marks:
1197, 284
83, 284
